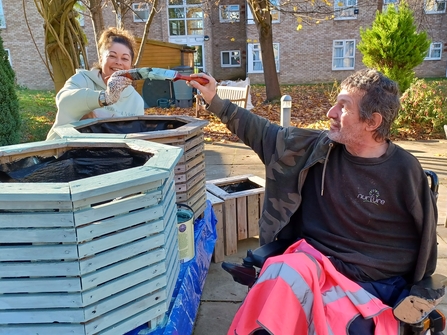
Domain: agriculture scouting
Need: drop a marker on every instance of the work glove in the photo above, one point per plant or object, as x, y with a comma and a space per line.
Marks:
115, 85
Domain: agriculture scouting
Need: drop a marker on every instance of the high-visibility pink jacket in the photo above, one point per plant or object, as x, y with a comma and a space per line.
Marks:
300, 292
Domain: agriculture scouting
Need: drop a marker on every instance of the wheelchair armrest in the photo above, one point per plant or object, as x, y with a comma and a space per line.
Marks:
424, 296
258, 256
431, 288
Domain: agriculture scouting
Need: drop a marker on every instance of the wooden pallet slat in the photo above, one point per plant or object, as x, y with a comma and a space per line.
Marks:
89, 256
51, 252
241, 209
37, 285
118, 254
36, 220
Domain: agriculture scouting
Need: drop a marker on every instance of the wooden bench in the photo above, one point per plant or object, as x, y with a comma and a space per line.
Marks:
237, 95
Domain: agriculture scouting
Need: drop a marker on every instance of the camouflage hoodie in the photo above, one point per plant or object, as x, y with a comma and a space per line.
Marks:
287, 154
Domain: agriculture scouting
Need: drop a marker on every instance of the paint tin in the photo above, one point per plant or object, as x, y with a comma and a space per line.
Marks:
185, 227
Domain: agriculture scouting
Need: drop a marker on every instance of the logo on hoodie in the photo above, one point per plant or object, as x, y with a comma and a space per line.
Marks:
373, 197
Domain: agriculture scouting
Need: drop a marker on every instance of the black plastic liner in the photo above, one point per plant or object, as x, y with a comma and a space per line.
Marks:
238, 187
72, 165
130, 127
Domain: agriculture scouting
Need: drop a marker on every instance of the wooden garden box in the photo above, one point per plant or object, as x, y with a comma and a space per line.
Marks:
243, 198
96, 255
181, 131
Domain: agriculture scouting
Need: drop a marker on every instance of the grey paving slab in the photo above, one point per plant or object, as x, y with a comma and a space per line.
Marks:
214, 318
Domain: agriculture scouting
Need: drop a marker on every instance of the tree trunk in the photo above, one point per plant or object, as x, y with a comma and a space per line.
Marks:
146, 32
272, 89
97, 20
263, 20
379, 5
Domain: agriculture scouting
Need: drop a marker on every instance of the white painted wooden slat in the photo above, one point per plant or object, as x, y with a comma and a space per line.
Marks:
171, 215
116, 270
39, 300
125, 312
110, 196
114, 181
38, 252
117, 223
124, 297
167, 184
69, 315
45, 235
39, 269
40, 192
134, 321
39, 285
36, 220
114, 286
46, 329
117, 239
92, 214
169, 195
30, 205
115, 255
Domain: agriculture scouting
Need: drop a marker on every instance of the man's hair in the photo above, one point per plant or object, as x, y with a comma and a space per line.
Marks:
381, 95
115, 35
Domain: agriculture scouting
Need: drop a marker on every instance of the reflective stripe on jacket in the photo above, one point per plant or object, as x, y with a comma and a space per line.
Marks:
300, 292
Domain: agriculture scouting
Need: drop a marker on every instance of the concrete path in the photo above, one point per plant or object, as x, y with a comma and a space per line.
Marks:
221, 295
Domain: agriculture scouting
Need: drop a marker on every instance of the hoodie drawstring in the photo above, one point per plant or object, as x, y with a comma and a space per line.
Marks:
331, 145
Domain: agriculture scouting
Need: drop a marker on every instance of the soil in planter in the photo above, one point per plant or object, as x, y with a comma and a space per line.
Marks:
74, 164
131, 127
238, 187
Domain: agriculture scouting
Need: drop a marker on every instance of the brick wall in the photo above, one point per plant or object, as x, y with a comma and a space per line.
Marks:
305, 55
228, 36
26, 62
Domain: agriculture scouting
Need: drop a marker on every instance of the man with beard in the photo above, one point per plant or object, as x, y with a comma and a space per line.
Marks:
348, 193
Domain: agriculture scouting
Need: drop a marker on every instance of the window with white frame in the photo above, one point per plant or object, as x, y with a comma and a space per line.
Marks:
254, 58
345, 9
229, 13
274, 12
435, 6
8, 54
387, 3
434, 53
2, 16
230, 58
343, 55
185, 17
140, 11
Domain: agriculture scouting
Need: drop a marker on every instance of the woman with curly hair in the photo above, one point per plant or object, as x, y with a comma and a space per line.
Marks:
97, 93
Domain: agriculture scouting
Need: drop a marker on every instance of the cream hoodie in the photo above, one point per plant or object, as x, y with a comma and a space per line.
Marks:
80, 94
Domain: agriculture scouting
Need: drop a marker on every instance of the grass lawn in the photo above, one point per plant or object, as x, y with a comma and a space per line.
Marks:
38, 110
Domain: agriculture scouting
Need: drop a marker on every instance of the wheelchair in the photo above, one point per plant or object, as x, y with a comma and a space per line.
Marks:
417, 313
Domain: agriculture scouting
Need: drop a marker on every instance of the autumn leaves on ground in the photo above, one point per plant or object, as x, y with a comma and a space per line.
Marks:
309, 107
310, 104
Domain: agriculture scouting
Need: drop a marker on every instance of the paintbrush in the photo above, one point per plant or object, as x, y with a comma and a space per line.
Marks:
154, 73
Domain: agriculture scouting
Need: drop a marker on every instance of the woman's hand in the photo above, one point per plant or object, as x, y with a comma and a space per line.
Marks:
115, 85
207, 91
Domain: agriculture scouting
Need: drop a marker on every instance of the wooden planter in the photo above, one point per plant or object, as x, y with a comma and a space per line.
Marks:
243, 197
97, 255
181, 131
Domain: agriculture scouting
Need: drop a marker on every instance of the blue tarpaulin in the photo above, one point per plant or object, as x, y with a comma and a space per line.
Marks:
188, 290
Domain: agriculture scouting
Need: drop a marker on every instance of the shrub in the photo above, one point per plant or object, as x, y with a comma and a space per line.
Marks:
424, 105
393, 46
9, 103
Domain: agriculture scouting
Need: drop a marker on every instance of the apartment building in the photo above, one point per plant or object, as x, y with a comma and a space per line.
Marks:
226, 40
